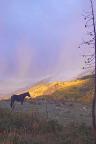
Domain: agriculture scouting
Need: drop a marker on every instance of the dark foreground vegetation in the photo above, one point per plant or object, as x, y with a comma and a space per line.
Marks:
31, 128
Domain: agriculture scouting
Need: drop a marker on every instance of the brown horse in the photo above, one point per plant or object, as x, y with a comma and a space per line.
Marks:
19, 98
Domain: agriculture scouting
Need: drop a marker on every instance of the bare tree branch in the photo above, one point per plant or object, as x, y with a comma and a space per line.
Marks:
90, 61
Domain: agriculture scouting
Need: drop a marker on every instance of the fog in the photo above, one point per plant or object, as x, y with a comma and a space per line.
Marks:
39, 40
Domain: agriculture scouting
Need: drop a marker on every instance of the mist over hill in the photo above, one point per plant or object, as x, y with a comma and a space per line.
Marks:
80, 89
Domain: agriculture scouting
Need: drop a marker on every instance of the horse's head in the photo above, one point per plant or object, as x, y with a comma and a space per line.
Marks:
28, 94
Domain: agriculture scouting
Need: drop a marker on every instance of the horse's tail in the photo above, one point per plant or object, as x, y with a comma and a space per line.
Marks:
11, 104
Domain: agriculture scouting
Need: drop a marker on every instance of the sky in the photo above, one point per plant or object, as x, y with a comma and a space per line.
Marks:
39, 39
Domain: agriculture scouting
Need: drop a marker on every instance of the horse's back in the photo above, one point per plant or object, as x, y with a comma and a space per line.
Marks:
16, 97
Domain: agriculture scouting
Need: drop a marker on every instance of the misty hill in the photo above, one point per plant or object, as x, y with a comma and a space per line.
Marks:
80, 89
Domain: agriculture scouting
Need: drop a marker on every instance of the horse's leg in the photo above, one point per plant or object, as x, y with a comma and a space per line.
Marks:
22, 105
13, 106
22, 101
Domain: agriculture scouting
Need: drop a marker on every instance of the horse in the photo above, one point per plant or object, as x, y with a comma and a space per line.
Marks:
19, 98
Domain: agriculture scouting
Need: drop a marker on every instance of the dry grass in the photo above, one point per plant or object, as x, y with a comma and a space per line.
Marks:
78, 90
27, 128
52, 87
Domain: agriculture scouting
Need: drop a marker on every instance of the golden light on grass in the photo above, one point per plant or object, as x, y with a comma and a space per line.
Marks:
50, 88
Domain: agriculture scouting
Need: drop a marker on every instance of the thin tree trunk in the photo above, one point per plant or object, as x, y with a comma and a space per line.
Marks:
94, 97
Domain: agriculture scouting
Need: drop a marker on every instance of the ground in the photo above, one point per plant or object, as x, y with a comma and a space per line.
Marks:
65, 112
64, 123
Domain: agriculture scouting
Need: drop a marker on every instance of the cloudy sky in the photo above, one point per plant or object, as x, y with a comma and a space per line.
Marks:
40, 38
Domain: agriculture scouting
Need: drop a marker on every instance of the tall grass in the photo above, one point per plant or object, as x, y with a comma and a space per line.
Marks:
30, 128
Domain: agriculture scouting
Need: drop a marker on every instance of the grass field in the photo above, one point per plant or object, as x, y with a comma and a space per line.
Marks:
27, 128
69, 111
76, 90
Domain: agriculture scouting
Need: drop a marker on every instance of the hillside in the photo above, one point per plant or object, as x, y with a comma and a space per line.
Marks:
80, 90
51, 122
